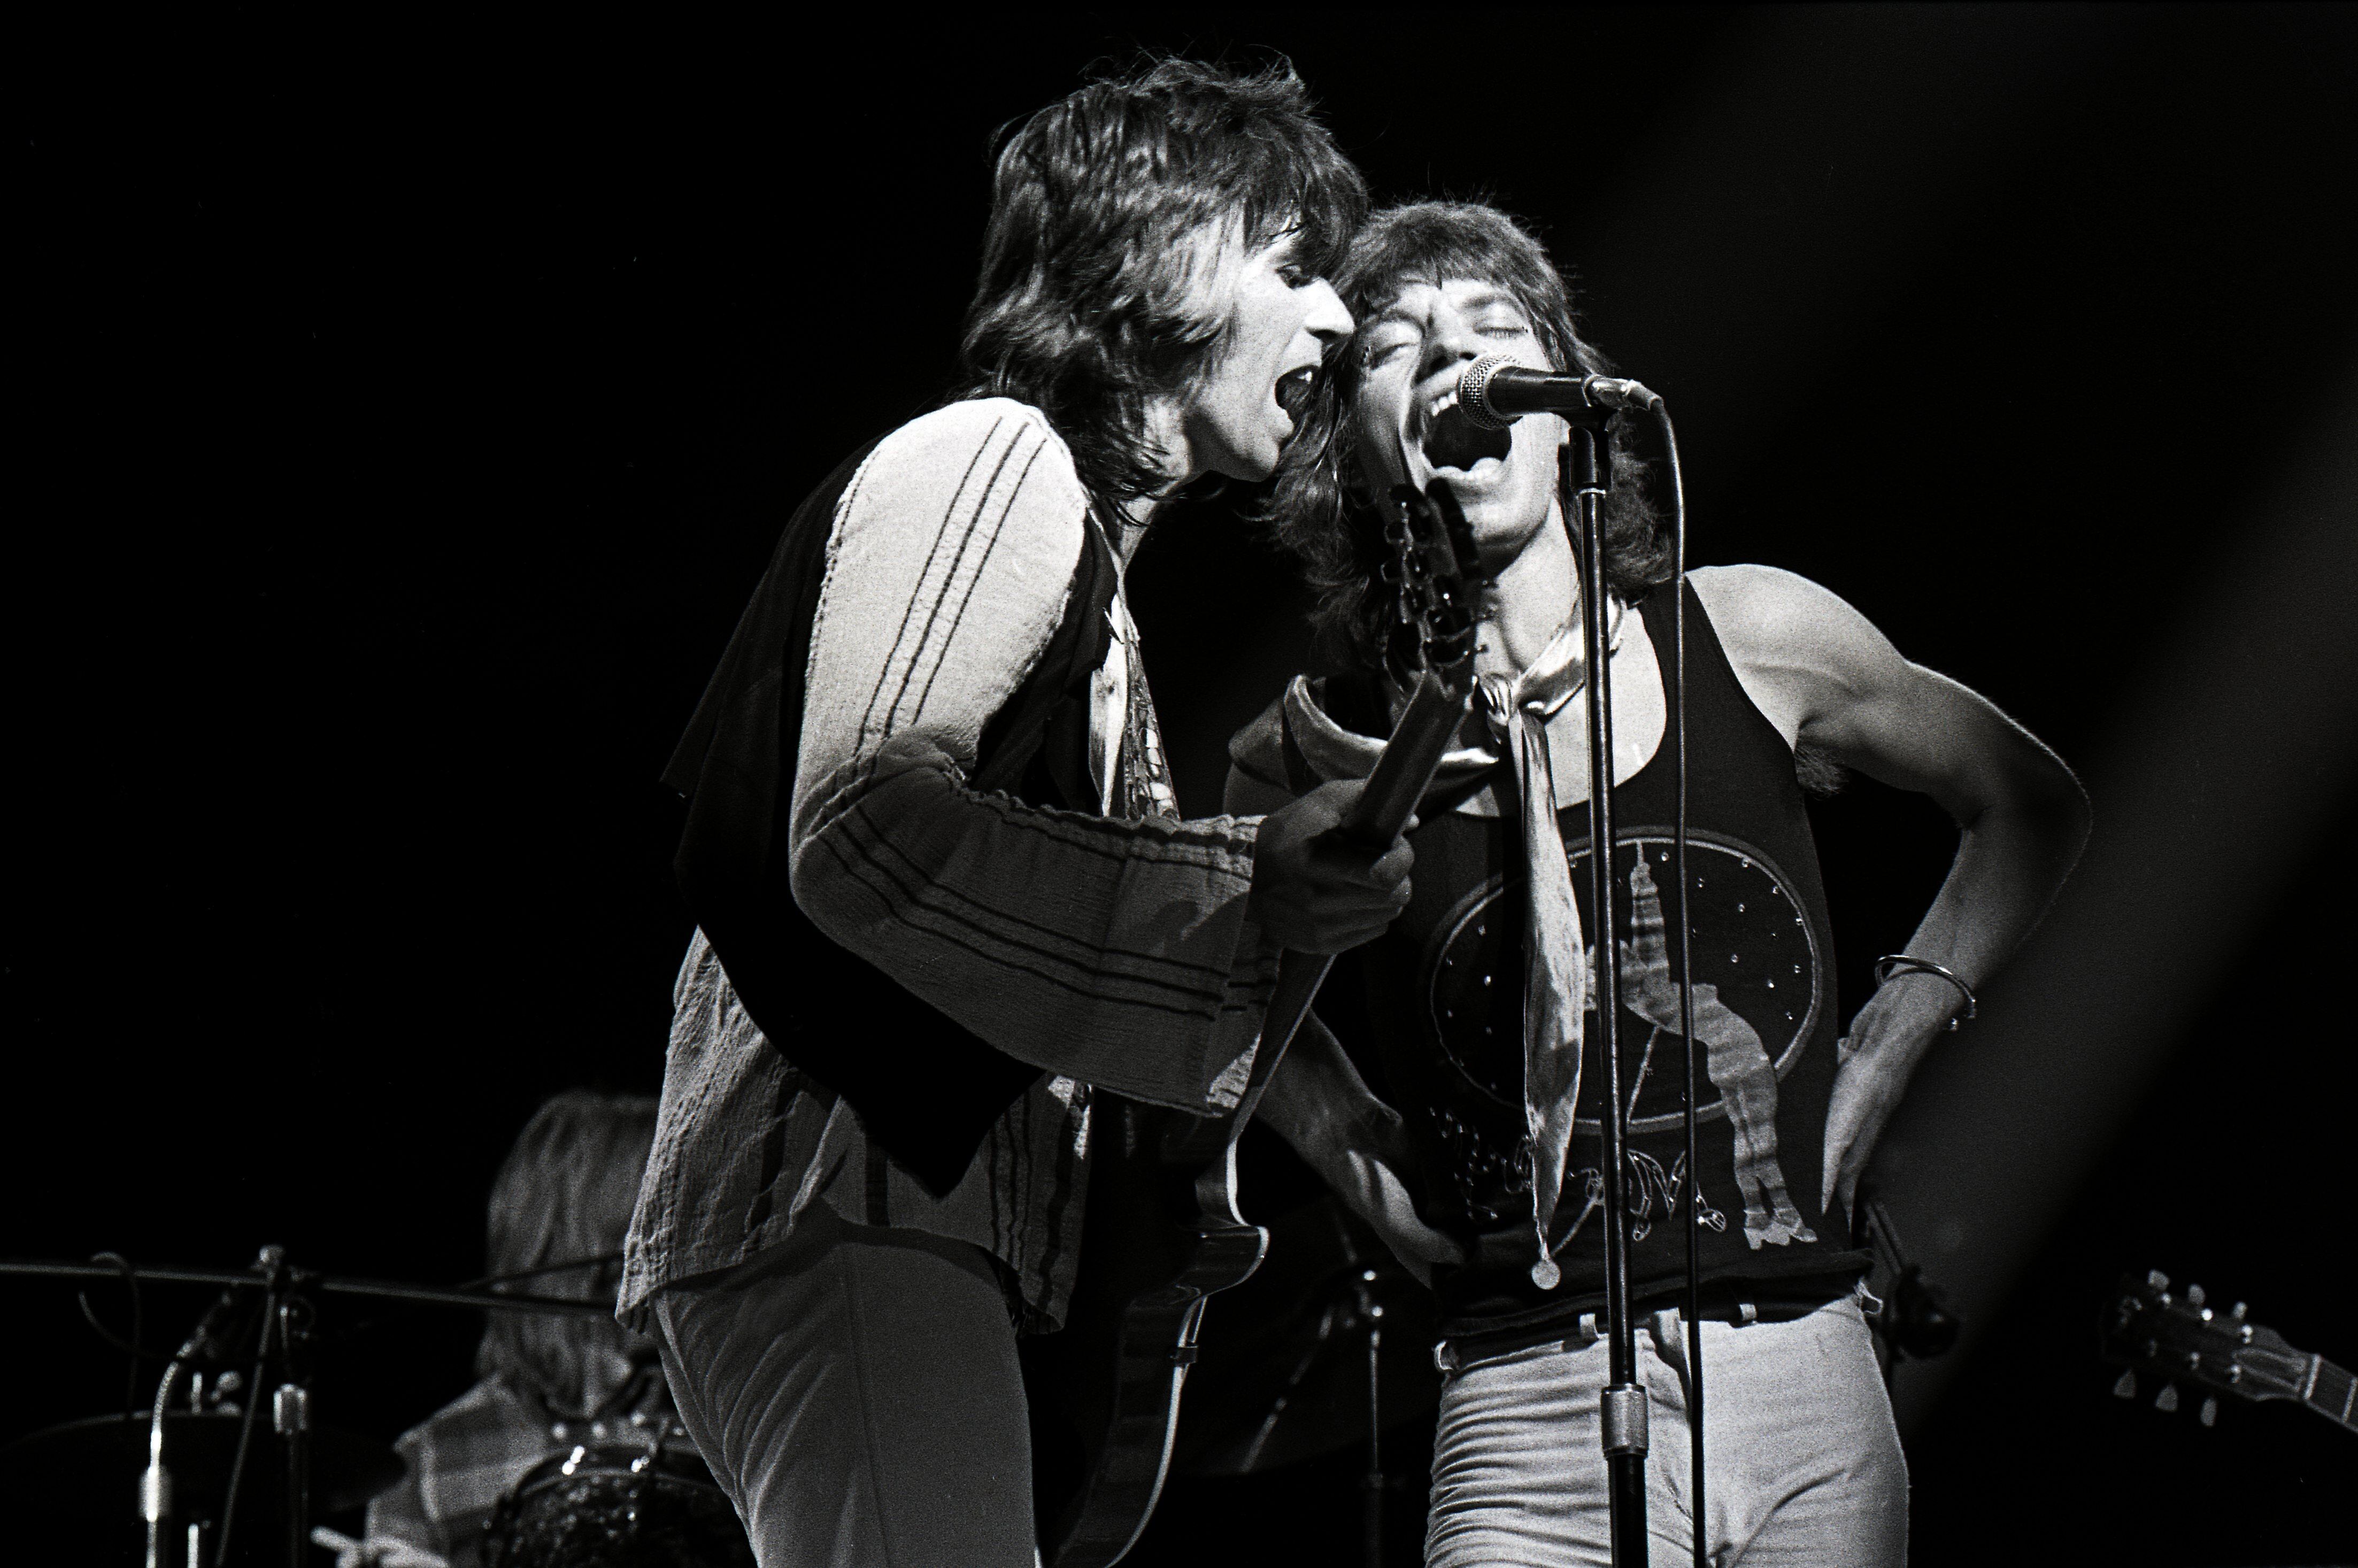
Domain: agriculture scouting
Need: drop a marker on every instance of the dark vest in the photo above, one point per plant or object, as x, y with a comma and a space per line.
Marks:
926, 1089
1443, 990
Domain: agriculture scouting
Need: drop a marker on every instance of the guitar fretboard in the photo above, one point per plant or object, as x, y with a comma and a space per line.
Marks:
2332, 1391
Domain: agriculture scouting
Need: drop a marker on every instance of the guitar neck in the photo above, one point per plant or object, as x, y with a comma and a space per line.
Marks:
2332, 1391
1418, 744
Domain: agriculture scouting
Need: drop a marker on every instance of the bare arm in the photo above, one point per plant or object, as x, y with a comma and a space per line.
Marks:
1829, 681
1356, 1144
1324, 1110
400, 1532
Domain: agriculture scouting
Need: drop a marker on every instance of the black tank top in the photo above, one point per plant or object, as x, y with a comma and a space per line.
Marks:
1444, 993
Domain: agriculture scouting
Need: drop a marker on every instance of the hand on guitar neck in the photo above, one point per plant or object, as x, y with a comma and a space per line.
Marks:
1316, 887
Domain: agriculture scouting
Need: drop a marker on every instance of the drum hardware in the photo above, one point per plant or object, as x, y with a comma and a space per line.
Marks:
618, 1505
49, 1474
1371, 1519
201, 1452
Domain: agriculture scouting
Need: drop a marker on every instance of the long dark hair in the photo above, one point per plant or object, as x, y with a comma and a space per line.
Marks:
565, 1191
1318, 509
1086, 306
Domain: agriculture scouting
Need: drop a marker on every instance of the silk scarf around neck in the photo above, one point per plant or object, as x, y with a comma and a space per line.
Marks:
1556, 980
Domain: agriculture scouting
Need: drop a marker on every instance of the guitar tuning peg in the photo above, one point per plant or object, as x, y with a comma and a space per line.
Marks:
2127, 1387
2236, 1312
2157, 1279
2209, 1413
2194, 1295
2168, 1399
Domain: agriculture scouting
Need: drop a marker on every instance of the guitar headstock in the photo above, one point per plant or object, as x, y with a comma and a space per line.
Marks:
1430, 566
2181, 1338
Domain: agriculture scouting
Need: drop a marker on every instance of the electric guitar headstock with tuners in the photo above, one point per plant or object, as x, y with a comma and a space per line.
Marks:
2178, 1338
1429, 566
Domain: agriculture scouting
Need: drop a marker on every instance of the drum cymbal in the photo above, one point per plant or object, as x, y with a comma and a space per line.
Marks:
89, 1468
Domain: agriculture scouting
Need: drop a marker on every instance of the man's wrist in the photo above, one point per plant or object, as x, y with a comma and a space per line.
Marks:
1924, 1005
1895, 966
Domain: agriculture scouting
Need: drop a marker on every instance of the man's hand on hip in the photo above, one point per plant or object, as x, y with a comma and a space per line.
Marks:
1887, 1040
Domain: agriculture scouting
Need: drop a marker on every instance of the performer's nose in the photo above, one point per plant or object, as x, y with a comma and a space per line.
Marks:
1329, 320
1450, 342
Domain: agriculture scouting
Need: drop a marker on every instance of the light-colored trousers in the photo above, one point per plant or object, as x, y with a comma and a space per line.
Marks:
1801, 1458
856, 1392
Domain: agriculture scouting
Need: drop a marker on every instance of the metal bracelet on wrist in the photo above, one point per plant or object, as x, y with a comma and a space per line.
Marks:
1892, 964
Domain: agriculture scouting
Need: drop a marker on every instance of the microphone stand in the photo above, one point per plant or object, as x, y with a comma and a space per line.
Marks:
1623, 1407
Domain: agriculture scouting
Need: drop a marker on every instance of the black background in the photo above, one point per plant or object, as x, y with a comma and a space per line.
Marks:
404, 410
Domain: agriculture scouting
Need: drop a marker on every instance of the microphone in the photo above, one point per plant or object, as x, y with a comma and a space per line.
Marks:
205, 1339
1494, 392
156, 1481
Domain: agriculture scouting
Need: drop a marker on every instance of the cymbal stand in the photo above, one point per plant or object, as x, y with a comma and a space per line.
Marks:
290, 1403
286, 1316
1372, 1313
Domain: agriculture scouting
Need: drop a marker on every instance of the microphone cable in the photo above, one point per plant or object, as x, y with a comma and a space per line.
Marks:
1693, 1299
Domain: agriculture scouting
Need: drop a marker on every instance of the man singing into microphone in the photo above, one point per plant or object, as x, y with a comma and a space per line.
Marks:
942, 889
1783, 680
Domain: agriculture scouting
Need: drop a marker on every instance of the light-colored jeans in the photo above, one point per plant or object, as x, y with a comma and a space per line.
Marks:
856, 1391
1802, 1458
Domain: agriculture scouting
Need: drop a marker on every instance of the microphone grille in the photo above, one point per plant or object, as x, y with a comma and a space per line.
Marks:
1474, 393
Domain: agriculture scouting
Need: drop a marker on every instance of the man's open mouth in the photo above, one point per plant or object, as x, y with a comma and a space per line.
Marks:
1294, 390
1453, 441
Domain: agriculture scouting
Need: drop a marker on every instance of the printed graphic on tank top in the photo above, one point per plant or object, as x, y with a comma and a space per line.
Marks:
1445, 992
